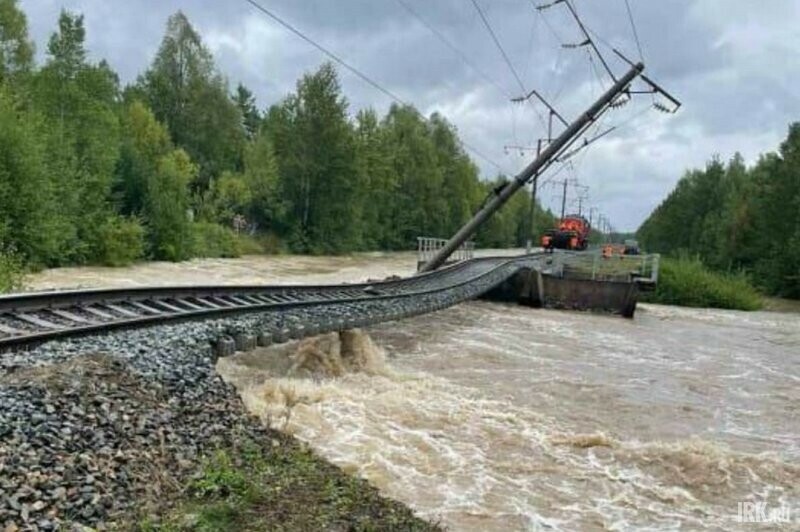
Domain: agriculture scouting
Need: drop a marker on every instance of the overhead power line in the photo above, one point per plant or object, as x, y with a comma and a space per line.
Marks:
461, 55
325, 51
508, 62
357, 72
633, 27
499, 46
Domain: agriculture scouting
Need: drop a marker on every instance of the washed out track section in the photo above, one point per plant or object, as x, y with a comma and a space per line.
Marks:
281, 312
95, 427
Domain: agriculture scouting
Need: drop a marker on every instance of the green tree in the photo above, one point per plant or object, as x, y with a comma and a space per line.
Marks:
79, 102
416, 203
231, 197
378, 179
508, 227
460, 184
737, 218
16, 49
144, 142
185, 91
266, 208
251, 117
28, 223
315, 148
167, 207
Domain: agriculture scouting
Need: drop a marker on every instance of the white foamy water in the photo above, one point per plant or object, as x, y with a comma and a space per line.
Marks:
500, 417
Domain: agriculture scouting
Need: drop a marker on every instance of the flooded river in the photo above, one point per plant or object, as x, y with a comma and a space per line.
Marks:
499, 417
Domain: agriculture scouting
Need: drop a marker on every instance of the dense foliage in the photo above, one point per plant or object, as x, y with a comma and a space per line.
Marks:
736, 218
689, 283
176, 164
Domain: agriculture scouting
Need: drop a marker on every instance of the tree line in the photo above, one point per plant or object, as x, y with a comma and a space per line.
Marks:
176, 164
737, 218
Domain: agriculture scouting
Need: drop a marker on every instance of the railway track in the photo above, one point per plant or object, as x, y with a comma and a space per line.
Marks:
285, 311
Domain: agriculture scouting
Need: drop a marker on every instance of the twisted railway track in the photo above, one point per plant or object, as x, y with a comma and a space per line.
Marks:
284, 311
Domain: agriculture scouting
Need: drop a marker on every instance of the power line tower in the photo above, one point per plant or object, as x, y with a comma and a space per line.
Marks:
582, 195
563, 183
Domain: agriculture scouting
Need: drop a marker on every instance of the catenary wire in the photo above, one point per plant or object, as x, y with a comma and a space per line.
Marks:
635, 32
356, 72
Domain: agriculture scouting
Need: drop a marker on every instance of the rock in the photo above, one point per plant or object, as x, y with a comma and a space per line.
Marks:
83, 441
12, 503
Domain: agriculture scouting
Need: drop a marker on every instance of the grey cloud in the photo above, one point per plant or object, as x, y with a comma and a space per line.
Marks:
732, 62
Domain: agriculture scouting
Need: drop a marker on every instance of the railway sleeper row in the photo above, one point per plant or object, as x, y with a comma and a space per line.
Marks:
275, 327
284, 312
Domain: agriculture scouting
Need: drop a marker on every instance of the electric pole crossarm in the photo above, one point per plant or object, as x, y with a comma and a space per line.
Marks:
654, 87
551, 151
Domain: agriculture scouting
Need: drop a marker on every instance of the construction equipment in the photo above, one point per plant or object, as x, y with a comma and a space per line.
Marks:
631, 247
572, 233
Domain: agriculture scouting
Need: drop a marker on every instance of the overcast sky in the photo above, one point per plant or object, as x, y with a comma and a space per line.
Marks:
735, 64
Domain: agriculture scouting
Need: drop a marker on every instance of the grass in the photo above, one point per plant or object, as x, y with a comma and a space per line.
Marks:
280, 486
687, 282
11, 273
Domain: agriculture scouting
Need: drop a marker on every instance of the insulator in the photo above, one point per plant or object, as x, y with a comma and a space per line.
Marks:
620, 102
577, 45
661, 107
542, 7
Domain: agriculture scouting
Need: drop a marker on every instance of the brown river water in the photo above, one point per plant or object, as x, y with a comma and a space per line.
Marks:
499, 417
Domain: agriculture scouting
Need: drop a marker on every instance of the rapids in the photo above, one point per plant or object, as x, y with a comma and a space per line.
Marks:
499, 417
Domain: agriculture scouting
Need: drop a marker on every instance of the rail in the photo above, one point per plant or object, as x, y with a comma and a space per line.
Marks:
284, 311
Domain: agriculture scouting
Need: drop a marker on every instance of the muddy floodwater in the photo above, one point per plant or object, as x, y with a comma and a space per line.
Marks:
499, 417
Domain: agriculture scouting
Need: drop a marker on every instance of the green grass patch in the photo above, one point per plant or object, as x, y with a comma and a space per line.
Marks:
687, 282
280, 485
11, 273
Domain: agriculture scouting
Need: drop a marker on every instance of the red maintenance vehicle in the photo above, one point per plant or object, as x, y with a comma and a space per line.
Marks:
572, 233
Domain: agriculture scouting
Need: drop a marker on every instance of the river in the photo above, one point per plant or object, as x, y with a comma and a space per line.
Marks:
499, 417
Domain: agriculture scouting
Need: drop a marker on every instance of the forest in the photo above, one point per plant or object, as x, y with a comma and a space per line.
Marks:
177, 164
737, 219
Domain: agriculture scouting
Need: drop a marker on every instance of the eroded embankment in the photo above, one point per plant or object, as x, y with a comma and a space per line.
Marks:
136, 430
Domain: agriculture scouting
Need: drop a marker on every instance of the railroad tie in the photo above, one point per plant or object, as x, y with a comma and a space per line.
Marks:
10, 331
121, 310
144, 308
70, 316
36, 320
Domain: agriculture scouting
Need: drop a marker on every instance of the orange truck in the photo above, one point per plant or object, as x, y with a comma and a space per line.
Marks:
572, 233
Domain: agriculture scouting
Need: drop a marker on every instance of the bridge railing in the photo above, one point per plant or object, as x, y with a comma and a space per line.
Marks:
428, 247
642, 269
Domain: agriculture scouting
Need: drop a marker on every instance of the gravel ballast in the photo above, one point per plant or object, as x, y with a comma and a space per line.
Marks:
100, 431
103, 431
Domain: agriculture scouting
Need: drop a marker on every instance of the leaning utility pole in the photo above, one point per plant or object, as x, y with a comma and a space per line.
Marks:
538, 165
